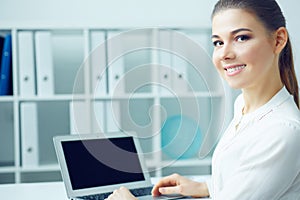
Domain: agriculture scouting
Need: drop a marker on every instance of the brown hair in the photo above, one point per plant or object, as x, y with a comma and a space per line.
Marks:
270, 14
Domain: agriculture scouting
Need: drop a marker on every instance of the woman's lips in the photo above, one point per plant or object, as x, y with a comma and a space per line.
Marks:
234, 70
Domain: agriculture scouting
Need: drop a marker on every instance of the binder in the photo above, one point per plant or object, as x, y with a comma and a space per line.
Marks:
106, 116
180, 82
1, 50
116, 82
165, 62
6, 67
79, 117
1, 47
201, 83
113, 117
165, 79
116, 79
201, 39
98, 117
26, 63
29, 134
98, 63
44, 63
7, 152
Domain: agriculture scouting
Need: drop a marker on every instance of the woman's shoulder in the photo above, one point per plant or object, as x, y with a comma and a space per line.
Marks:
281, 122
279, 127
283, 125
287, 114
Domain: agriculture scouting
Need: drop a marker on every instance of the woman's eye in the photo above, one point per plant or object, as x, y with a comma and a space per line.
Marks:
242, 38
217, 43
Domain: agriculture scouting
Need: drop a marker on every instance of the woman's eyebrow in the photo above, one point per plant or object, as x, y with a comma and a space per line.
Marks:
240, 30
234, 32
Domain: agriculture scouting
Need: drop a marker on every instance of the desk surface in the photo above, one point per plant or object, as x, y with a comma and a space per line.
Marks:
37, 191
33, 191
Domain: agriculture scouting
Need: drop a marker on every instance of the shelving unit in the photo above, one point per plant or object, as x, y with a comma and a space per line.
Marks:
141, 106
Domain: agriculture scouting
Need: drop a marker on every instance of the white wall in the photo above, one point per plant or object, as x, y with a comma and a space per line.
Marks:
108, 13
291, 11
128, 13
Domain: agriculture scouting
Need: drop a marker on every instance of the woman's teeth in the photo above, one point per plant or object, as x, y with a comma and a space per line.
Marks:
231, 70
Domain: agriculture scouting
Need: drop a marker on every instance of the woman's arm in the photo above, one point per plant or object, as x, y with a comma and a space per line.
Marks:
173, 184
267, 167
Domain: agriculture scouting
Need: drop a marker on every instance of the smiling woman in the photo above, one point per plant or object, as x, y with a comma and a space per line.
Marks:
253, 53
245, 54
258, 155
262, 26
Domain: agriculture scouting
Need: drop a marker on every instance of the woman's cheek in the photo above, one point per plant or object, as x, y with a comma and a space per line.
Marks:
214, 60
217, 64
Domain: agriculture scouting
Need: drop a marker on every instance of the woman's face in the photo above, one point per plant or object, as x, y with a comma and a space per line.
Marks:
244, 51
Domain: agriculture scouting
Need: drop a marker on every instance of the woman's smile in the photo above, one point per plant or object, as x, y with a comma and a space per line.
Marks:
233, 70
243, 49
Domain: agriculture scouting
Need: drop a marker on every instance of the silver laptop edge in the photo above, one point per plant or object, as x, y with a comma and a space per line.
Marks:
101, 189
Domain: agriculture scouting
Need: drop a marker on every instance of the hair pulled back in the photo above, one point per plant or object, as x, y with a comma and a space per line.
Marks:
271, 16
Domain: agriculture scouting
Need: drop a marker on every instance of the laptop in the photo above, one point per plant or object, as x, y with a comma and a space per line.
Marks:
94, 165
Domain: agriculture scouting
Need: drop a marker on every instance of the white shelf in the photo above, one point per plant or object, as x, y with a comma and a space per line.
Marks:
7, 169
194, 95
161, 96
41, 168
59, 97
125, 96
7, 98
146, 111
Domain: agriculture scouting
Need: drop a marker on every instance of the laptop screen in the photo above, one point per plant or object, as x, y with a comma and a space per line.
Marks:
101, 162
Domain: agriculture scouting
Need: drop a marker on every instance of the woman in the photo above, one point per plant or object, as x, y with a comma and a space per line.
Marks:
258, 155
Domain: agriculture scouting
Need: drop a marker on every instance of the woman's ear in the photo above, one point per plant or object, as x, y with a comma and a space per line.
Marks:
281, 38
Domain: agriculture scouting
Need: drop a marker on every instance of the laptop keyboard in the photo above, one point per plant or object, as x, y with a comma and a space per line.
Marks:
141, 191
136, 192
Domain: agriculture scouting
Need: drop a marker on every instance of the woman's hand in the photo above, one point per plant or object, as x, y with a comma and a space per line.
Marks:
121, 193
176, 184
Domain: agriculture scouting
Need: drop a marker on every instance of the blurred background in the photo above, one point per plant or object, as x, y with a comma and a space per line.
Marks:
57, 38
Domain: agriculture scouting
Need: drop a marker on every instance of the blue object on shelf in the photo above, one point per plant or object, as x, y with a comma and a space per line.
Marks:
6, 65
181, 137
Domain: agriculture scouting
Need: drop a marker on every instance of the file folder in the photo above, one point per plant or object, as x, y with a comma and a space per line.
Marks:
29, 134
180, 81
44, 63
165, 62
116, 79
202, 39
79, 117
201, 83
7, 150
116, 83
179, 78
165, 75
98, 117
26, 63
6, 67
98, 63
113, 117
1, 47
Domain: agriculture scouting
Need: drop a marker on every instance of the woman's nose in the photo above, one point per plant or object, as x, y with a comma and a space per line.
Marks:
227, 52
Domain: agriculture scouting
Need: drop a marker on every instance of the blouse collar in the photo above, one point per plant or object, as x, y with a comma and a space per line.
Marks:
279, 98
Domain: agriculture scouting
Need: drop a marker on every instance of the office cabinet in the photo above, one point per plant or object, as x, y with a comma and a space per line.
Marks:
92, 80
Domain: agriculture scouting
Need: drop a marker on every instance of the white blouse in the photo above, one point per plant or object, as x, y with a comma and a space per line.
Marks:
258, 156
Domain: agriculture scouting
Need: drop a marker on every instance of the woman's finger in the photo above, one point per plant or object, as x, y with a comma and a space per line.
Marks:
171, 190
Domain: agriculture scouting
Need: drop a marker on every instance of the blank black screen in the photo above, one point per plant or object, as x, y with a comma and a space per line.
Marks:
85, 164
